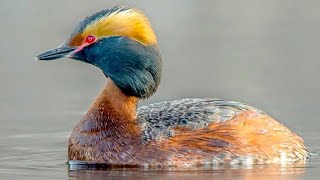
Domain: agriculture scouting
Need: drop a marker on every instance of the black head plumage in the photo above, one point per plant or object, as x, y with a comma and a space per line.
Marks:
134, 68
124, 48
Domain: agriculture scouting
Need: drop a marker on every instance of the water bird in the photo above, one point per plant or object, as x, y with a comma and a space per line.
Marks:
184, 132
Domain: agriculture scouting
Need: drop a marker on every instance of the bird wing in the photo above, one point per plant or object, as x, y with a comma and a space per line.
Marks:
159, 120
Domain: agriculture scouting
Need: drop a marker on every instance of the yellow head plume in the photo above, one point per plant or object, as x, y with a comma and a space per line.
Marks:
117, 21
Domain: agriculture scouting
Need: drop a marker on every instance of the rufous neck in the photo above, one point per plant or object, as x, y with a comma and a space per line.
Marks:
115, 105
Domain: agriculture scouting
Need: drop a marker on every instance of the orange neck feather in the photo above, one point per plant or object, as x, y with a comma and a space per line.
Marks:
115, 109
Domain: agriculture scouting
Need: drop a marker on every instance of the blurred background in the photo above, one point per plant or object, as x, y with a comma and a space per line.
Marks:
264, 53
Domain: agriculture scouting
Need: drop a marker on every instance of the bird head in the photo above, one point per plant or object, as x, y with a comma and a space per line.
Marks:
121, 42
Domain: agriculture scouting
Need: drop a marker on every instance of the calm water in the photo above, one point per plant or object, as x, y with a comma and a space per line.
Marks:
262, 53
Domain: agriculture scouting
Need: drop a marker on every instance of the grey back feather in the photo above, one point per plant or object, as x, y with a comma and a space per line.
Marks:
158, 120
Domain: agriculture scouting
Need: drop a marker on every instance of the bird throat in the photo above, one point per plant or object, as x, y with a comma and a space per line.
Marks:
115, 111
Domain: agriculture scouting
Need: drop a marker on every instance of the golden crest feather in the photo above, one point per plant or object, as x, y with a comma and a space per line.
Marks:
130, 22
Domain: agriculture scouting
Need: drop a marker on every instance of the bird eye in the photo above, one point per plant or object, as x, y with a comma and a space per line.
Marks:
90, 39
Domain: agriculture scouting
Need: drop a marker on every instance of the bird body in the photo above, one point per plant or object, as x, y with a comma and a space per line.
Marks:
185, 132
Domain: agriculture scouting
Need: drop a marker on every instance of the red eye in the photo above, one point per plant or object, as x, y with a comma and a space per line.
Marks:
90, 39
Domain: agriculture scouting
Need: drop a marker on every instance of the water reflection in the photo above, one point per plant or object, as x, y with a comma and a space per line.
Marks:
224, 171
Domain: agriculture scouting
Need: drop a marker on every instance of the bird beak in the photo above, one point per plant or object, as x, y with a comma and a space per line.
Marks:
57, 53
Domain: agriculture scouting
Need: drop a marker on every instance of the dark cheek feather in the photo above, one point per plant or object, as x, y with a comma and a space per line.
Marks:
135, 68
